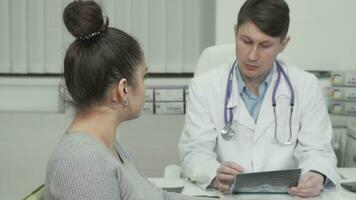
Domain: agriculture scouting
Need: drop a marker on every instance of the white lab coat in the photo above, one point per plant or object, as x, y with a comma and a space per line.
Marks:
202, 148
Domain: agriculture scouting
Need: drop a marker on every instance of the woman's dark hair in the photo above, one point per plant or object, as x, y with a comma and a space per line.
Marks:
99, 57
270, 16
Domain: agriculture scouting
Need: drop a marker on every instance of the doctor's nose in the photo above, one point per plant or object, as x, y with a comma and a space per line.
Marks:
253, 53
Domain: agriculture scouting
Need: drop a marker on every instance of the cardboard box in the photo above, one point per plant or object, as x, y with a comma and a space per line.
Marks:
343, 108
347, 78
342, 93
169, 107
169, 94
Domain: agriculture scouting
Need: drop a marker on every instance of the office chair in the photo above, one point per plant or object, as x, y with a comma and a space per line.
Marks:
211, 57
215, 56
37, 194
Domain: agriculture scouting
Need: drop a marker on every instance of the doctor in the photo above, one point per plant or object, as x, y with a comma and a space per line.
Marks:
257, 114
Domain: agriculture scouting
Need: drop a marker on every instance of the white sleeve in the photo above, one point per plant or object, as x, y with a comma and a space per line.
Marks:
314, 150
198, 140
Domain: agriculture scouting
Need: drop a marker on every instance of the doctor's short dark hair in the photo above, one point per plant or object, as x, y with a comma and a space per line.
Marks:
98, 57
270, 16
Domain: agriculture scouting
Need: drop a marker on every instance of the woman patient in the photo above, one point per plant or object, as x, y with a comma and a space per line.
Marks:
104, 71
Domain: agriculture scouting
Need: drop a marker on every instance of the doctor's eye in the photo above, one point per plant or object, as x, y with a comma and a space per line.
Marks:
245, 41
265, 46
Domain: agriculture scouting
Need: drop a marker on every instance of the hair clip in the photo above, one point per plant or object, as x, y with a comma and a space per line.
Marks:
89, 36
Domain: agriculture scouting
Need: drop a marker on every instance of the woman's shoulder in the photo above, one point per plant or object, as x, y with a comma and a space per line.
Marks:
77, 161
78, 150
72, 143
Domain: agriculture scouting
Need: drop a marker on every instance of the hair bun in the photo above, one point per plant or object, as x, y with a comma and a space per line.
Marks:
82, 18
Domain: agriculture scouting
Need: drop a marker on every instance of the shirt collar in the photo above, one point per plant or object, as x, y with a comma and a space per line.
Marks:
242, 84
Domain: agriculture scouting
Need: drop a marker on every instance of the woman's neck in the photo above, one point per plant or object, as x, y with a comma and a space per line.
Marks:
99, 124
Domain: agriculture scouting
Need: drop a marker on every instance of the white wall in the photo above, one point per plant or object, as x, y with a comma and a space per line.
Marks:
32, 122
322, 32
27, 140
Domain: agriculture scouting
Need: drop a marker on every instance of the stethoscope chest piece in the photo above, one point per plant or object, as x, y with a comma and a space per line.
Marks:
227, 133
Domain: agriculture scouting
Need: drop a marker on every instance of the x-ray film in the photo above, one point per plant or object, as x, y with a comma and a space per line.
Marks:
276, 182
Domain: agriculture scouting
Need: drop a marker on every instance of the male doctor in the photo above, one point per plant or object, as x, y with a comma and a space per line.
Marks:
257, 114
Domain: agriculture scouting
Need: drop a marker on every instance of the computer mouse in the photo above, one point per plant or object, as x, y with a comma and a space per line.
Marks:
350, 186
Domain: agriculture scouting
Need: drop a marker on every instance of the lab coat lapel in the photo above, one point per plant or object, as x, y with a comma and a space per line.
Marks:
266, 117
241, 114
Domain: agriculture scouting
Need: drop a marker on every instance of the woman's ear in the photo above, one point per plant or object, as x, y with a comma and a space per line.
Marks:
120, 91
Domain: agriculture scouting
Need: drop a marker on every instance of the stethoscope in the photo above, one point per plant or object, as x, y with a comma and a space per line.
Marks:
227, 133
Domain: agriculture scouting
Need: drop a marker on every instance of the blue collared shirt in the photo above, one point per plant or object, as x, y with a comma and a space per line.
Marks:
253, 103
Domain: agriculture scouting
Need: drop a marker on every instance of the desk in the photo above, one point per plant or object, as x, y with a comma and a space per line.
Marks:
347, 174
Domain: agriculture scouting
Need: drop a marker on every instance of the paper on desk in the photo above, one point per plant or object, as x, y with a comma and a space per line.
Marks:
347, 173
191, 189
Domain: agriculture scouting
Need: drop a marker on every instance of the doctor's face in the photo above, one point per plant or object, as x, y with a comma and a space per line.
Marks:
256, 51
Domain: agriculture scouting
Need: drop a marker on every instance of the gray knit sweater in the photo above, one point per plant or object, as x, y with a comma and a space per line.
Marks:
83, 168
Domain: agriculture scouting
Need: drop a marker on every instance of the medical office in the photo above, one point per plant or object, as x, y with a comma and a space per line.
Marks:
173, 34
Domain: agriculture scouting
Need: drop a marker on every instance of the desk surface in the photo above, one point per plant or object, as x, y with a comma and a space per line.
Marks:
347, 174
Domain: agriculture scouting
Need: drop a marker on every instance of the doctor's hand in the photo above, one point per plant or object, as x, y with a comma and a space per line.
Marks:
310, 185
225, 175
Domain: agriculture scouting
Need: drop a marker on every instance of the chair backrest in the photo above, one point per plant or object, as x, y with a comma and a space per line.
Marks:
218, 55
37, 194
215, 56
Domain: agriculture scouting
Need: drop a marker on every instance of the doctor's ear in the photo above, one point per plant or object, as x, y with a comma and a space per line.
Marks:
284, 43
